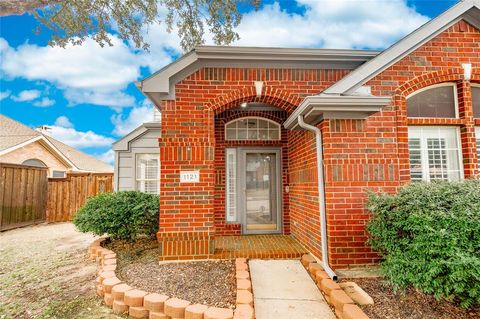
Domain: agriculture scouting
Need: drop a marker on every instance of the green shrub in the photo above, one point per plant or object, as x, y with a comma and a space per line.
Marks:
121, 215
429, 237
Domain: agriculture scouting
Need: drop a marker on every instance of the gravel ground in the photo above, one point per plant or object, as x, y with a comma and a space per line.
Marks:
209, 282
44, 273
410, 305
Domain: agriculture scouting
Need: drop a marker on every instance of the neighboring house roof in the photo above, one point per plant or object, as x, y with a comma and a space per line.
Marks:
159, 86
123, 143
14, 135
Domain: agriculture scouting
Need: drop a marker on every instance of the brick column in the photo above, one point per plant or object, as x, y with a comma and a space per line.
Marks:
467, 130
186, 219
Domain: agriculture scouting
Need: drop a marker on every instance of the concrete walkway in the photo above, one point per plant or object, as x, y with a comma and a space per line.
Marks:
282, 289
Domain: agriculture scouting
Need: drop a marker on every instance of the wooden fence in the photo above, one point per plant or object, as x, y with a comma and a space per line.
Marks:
28, 197
23, 195
67, 195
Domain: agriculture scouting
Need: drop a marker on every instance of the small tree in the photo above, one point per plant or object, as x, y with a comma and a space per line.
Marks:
72, 21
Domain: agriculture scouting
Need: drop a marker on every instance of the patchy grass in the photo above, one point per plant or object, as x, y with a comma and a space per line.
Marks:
44, 273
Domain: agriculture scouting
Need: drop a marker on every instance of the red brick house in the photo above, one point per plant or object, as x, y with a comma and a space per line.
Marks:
270, 140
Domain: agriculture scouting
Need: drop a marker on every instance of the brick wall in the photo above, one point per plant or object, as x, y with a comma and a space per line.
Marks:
373, 154
360, 155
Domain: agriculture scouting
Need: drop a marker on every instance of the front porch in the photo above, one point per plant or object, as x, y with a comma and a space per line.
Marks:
258, 246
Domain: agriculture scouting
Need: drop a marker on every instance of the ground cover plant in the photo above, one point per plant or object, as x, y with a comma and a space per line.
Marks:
121, 215
429, 237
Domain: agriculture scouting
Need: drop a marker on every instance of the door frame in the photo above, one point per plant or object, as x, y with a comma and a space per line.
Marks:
241, 186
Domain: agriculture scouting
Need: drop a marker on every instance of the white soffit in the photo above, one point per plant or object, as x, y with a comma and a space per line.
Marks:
469, 10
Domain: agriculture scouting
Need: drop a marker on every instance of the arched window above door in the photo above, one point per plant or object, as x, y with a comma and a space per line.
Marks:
436, 101
252, 128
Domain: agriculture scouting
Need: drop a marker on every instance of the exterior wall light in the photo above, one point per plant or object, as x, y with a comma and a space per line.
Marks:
243, 105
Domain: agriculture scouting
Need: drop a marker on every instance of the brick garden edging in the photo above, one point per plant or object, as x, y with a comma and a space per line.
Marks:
345, 307
124, 299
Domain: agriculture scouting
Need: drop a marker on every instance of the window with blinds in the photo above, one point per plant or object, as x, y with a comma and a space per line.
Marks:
252, 128
148, 173
437, 101
231, 184
434, 153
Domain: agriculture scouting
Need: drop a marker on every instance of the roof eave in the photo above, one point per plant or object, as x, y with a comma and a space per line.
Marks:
409, 43
319, 107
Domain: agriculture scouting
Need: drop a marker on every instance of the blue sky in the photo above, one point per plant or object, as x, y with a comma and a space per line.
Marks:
86, 94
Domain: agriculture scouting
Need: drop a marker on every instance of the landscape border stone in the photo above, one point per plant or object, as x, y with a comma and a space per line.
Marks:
124, 299
345, 307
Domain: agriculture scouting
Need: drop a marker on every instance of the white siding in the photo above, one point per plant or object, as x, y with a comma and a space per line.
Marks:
125, 165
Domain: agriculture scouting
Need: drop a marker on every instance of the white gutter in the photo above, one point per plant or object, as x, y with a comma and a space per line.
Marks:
321, 195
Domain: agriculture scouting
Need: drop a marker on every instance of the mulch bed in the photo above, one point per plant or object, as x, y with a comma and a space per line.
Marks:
410, 304
209, 282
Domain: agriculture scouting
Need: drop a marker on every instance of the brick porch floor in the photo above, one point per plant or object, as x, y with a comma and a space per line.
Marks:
257, 246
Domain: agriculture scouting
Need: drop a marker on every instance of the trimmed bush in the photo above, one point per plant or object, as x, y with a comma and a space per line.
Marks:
429, 237
121, 215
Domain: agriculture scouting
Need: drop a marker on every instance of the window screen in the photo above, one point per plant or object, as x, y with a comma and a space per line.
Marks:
252, 128
434, 153
437, 101
147, 173
476, 101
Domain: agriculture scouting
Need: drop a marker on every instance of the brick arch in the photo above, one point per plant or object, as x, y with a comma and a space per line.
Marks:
270, 115
275, 97
428, 79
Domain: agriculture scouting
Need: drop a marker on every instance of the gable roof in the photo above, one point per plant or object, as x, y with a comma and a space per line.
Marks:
123, 143
468, 10
159, 86
14, 135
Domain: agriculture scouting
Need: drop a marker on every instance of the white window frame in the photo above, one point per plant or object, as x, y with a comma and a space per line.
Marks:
477, 143
277, 126
139, 179
474, 85
455, 96
424, 149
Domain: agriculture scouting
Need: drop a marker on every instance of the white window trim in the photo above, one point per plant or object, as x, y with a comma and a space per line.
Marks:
455, 95
137, 179
425, 171
277, 125
231, 218
477, 138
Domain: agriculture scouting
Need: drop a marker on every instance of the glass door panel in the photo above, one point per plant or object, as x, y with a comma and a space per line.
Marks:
261, 195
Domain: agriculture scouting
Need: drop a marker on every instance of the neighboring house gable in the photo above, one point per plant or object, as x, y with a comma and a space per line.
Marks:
133, 153
18, 143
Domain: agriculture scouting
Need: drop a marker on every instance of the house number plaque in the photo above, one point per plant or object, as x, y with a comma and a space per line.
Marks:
189, 176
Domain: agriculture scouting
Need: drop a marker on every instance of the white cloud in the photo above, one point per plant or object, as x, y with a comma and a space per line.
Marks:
64, 131
26, 95
330, 24
107, 157
138, 115
44, 102
4, 94
87, 73
63, 121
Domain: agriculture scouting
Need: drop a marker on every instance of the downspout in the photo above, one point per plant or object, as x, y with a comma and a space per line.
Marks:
321, 194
